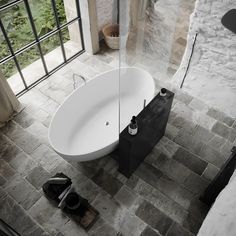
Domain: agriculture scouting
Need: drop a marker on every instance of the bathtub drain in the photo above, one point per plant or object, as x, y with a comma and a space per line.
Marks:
107, 123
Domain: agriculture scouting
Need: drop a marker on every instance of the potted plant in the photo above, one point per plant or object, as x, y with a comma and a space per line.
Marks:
111, 31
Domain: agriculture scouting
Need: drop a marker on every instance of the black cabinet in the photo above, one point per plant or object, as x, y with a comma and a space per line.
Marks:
152, 121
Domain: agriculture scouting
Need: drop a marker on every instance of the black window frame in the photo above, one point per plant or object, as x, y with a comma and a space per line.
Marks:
37, 41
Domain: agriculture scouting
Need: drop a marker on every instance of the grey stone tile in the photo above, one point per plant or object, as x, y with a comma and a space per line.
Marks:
217, 142
46, 157
97, 65
131, 225
165, 204
196, 184
20, 137
38, 176
86, 188
2, 180
172, 116
50, 106
171, 131
33, 97
220, 116
40, 130
226, 149
183, 97
38, 232
120, 177
14, 215
203, 120
153, 155
126, 197
90, 168
153, 217
23, 163
210, 172
65, 167
174, 190
198, 105
107, 182
178, 230
111, 166
22, 192
3, 193
183, 111
192, 224
190, 160
148, 231
55, 91
8, 150
38, 114
234, 125
148, 173
221, 129
109, 209
102, 228
48, 216
203, 134
189, 142
198, 209
6, 171
167, 146
71, 228
132, 181
184, 125
212, 156
232, 135
24, 119
175, 170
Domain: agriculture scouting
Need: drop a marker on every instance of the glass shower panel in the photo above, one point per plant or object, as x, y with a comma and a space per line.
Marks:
152, 42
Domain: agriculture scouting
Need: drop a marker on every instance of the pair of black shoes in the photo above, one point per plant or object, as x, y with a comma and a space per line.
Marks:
59, 188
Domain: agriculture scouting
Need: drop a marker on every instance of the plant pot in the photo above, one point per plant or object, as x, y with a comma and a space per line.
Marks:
111, 35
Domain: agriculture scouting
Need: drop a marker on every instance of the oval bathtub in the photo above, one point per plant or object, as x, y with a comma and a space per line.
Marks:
86, 125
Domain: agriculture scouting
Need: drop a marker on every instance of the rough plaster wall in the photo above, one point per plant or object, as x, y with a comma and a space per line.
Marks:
104, 12
212, 72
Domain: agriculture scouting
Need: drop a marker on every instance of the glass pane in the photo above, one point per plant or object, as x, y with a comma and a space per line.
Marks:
71, 39
61, 11
52, 50
13, 77
67, 10
4, 2
17, 26
4, 51
43, 16
31, 65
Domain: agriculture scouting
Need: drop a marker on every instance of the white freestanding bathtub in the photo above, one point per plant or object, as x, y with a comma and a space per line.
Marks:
86, 125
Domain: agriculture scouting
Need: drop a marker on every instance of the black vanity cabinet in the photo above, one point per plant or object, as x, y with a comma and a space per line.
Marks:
152, 121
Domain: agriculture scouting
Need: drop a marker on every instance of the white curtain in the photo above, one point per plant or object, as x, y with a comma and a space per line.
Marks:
9, 104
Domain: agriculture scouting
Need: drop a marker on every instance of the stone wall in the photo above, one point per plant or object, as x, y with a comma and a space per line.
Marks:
157, 41
161, 18
104, 12
212, 70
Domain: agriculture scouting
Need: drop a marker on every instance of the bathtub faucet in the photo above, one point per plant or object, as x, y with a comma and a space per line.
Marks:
75, 82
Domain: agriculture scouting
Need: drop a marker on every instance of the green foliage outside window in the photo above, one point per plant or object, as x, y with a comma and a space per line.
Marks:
19, 31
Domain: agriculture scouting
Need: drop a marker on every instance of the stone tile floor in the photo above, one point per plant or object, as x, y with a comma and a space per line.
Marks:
160, 198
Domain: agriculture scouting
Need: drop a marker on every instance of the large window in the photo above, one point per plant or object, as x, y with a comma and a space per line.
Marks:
37, 37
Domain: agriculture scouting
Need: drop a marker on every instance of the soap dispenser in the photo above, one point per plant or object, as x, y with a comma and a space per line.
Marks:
133, 126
